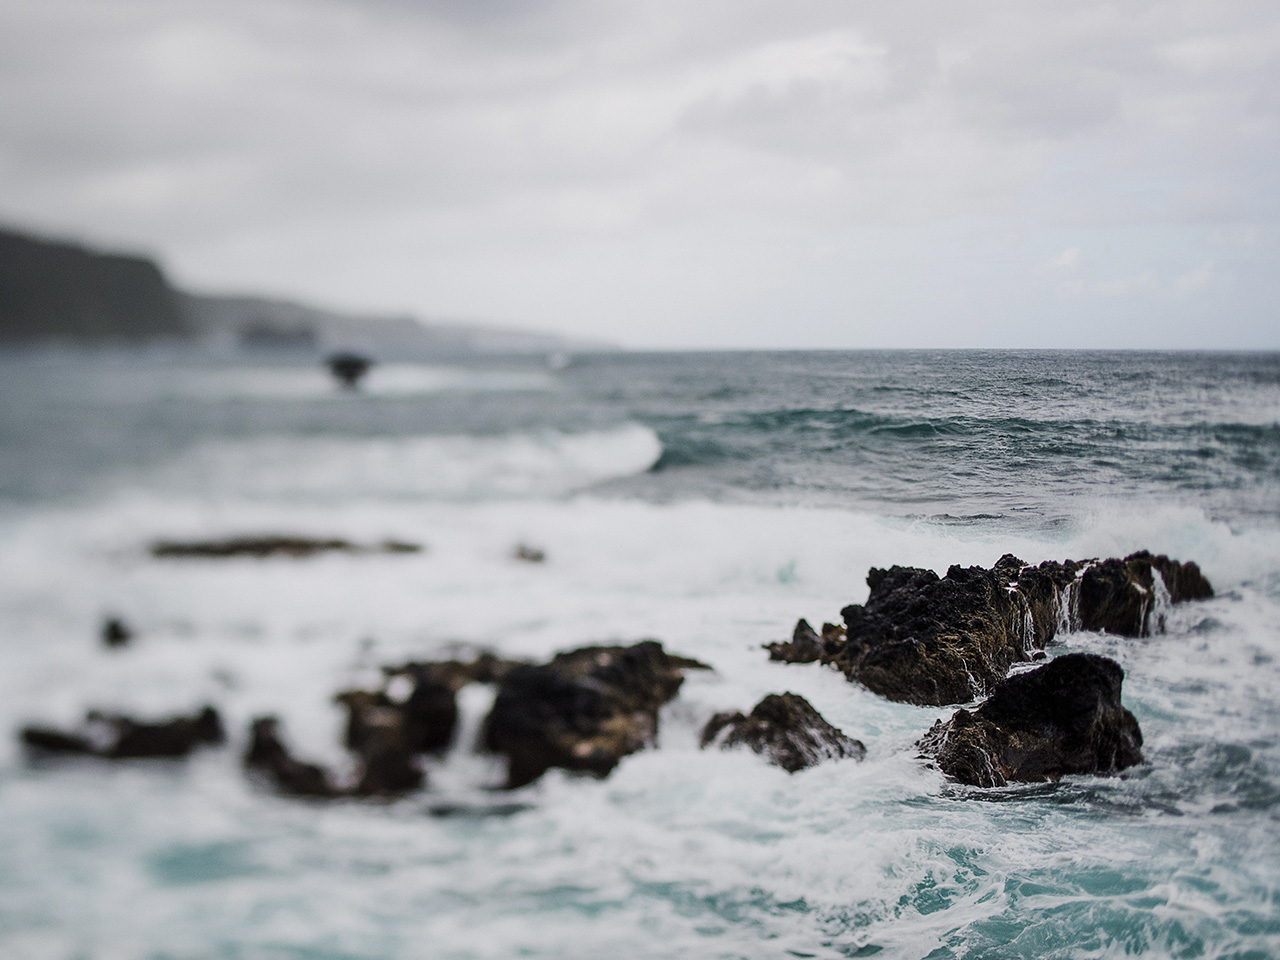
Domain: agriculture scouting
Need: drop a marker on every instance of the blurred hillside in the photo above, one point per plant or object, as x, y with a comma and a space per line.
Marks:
54, 291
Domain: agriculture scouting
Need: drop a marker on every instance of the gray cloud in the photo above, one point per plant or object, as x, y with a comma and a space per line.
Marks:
729, 172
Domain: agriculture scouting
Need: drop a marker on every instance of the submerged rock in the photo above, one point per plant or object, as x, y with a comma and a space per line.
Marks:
273, 545
786, 730
584, 710
1064, 717
926, 639
118, 737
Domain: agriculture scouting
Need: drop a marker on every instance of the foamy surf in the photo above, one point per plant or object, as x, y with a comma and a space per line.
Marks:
681, 851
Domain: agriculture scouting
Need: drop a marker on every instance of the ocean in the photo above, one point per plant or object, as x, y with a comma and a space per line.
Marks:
707, 500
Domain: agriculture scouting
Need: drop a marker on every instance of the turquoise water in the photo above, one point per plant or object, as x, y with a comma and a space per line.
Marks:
705, 499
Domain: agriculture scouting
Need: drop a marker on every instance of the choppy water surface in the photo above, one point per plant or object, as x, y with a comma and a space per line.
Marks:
707, 500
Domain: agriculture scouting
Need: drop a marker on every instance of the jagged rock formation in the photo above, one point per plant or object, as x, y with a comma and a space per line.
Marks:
936, 640
119, 737
584, 710
786, 730
61, 291
1064, 717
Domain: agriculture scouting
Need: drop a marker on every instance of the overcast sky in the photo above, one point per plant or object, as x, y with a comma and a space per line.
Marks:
737, 173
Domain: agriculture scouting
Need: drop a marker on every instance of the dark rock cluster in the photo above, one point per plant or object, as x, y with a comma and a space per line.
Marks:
919, 638
926, 639
120, 737
786, 730
583, 711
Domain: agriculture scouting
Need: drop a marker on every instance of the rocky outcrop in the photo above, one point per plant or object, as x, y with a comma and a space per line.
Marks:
584, 710
786, 730
926, 639
118, 737
1064, 717
272, 545
1129, 596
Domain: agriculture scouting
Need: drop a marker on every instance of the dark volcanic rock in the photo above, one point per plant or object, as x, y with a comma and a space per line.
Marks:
117, 737
1122, 596
805, 646
786, 729
1064, 717
270, 545
936, 640
268, 754
584, 710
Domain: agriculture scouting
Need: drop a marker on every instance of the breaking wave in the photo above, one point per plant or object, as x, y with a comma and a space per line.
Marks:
455, 467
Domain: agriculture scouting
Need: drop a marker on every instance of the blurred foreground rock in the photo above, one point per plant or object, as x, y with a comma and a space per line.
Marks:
117, 737
272, 545
786, 730
584, 711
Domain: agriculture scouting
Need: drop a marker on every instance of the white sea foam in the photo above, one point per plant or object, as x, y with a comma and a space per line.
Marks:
680, 852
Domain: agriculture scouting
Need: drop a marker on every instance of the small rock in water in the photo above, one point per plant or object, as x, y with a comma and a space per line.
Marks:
529, 554
1064, 717
584, 711
118, 737
349, 368
805, 646
115, 632
786, 730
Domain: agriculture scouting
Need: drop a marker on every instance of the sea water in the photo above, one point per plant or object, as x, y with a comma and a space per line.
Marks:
706, 500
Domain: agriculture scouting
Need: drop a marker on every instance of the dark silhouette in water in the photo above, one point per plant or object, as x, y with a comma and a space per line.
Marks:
349, 368
115, 632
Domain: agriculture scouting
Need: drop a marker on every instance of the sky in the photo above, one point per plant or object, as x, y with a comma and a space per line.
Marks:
668, 174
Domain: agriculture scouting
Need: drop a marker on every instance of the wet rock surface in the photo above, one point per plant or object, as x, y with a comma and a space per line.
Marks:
584, 710
925, 639
786, 730
273, 545
1064, 717
119, 737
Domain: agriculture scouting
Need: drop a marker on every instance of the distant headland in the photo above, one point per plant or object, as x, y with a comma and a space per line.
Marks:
57, 291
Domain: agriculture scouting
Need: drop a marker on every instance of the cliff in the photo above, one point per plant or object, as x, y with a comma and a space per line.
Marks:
53, 291
60, 291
